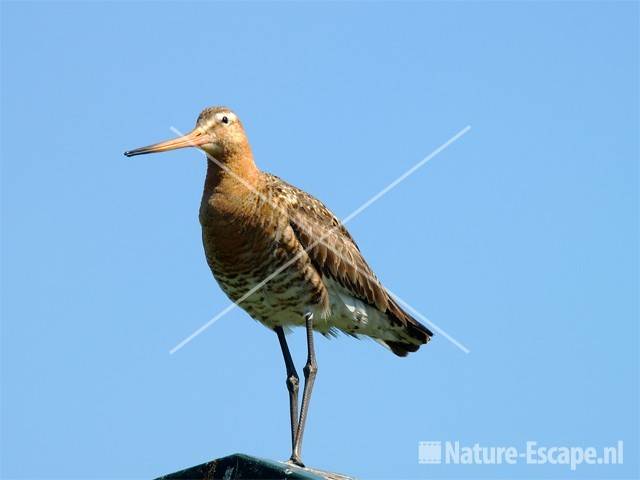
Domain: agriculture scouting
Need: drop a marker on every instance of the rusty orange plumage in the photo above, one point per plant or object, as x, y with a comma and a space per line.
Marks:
284, 257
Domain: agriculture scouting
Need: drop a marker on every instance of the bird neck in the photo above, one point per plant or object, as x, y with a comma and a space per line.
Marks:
231, 178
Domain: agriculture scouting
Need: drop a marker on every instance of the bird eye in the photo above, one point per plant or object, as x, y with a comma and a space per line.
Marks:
225, 119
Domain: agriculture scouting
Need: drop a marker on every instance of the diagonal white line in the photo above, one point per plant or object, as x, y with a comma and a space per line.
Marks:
346, 219
429, 322
226, 310
349, 217
405, 175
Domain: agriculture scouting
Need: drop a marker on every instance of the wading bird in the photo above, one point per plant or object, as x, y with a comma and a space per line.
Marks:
282, 256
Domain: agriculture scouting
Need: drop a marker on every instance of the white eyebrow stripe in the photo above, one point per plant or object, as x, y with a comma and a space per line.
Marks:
220, 115
217, 118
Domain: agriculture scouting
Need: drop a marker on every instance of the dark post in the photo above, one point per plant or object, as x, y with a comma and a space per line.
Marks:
244, 467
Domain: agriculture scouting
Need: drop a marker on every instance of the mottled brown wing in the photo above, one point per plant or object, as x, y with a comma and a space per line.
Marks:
336, 255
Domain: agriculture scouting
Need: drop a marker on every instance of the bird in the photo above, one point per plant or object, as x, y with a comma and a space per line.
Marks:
285, 258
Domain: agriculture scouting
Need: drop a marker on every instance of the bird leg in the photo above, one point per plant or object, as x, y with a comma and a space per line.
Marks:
310, 370
292, 383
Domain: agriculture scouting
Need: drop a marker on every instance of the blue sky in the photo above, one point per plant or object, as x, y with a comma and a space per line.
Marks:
520, 239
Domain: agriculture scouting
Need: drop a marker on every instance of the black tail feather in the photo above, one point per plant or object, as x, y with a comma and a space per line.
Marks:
414, 329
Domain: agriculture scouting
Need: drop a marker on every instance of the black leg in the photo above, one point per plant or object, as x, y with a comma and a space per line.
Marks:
292, 384
310, 370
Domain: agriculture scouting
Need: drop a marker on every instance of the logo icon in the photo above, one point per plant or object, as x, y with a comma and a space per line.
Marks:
430, 452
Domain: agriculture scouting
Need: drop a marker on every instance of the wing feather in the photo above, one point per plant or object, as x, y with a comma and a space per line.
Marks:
334, 253
332, 249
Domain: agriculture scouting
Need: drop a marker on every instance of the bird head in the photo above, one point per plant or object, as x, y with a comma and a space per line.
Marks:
218, 132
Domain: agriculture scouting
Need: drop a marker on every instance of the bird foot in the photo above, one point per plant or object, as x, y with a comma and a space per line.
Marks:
294, 460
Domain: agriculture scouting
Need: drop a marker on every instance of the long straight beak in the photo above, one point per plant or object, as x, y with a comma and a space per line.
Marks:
195, 138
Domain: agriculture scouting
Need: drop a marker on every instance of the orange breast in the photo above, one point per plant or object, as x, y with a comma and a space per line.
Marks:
257, 260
